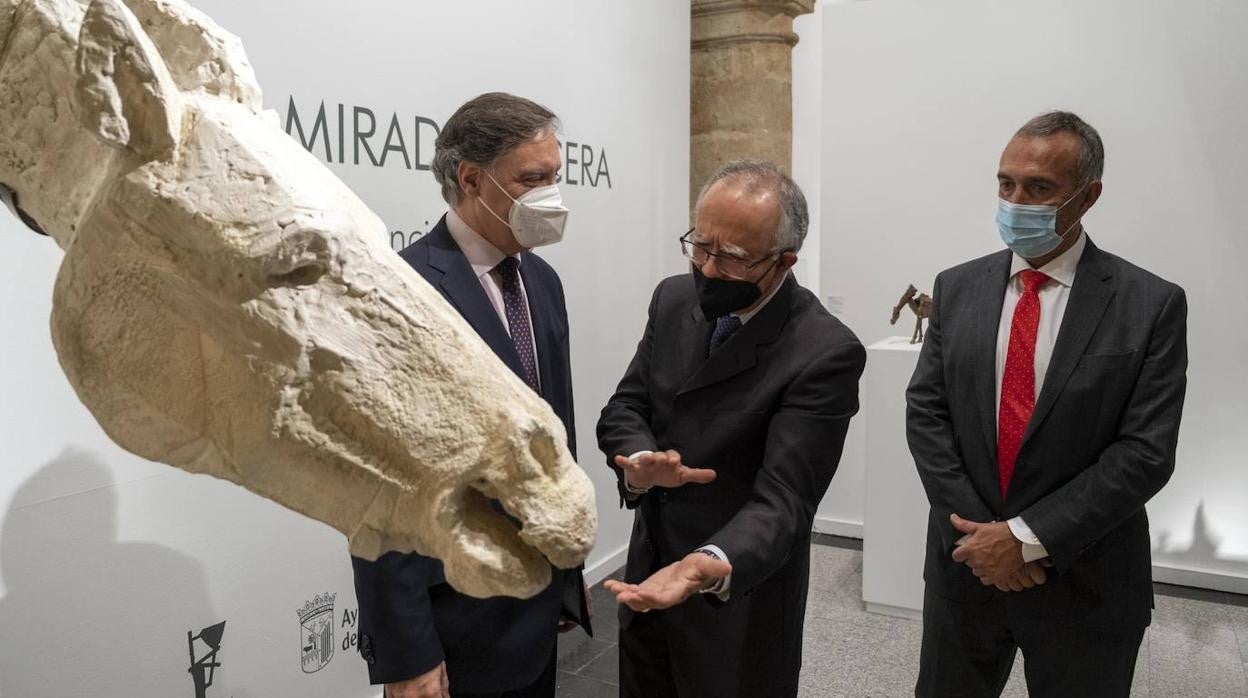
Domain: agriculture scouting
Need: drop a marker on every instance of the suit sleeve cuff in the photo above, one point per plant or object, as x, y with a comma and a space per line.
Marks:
630, 491
722, 587
1033, 549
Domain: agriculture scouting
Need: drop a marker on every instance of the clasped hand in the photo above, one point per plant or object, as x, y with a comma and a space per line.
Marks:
995, 555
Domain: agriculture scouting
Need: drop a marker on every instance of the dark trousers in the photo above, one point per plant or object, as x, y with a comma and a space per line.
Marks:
968, 651
543, 687
663, 658
647, 669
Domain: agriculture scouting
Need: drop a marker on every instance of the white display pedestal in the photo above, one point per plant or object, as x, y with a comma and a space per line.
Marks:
894, 529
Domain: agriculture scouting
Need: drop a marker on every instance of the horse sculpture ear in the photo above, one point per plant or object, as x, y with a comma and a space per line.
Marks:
125, 94
201, 56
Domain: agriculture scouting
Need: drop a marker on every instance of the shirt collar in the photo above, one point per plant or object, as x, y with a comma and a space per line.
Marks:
482, 255
745, 317
1061, 268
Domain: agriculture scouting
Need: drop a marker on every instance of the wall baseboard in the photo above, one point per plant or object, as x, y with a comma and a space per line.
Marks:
1164, 573
598, 571
894, 611
1200, 579
838, 527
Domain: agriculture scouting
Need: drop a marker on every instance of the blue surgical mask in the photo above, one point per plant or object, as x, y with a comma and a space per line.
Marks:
1031, 230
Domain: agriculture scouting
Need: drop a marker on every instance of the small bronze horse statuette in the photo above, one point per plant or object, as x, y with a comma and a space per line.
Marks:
921, 304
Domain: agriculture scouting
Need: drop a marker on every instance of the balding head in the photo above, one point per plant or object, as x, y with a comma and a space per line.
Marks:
764, 185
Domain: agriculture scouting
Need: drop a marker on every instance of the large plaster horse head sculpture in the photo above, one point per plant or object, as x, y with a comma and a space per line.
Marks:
227, 306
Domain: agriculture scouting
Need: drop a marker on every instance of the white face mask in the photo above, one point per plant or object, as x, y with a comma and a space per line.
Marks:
537, 218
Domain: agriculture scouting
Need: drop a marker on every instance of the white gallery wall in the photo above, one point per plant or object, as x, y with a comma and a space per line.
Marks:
841, 511
907, 109
107, 561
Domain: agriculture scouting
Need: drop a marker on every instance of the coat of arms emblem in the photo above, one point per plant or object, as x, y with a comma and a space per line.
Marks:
316, 621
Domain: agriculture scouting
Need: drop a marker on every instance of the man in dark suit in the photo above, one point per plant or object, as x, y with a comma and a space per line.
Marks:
497, 160
742, 374
1042, 415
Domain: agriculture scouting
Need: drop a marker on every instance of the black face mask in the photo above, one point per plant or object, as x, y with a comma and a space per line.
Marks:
718, 297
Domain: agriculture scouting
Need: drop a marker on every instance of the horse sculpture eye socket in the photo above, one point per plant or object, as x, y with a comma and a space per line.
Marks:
304, 273
301, 259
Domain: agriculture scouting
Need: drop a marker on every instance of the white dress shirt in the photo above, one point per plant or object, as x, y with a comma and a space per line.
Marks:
1053, 298
483, 256
720, 588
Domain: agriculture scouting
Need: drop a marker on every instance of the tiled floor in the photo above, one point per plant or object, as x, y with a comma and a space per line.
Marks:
590, 667
1197, 645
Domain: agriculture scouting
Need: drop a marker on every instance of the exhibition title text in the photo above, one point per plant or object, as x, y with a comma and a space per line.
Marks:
354, 134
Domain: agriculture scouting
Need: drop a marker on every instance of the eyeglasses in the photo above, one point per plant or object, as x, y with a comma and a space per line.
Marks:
729, 265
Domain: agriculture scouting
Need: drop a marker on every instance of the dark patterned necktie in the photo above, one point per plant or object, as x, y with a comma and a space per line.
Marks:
518, 319
725, 326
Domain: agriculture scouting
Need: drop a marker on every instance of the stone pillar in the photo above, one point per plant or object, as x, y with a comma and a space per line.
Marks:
742, 83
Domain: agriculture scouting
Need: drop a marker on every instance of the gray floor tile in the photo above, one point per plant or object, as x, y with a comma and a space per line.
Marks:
606, 620
835, 584
1194, 650
605, 667
606, 612
576, 650
1237, 614
837, 655
1197, 646
827, 605
574, 686
1201, 615
836, 569
893, 666
601, 597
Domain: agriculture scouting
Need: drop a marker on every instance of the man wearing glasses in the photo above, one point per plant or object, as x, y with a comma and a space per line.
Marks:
724, 434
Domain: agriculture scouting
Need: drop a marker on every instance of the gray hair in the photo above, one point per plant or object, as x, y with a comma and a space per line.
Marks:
1091, 163
757, 174
481, 131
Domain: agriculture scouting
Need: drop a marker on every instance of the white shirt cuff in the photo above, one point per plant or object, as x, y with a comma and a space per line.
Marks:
629, 488
1033, 549
720, 588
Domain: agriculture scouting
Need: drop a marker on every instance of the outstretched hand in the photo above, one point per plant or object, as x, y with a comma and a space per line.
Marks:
661, 469
672, 584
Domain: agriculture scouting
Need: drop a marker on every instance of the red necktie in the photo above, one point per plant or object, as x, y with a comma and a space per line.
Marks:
1018, 384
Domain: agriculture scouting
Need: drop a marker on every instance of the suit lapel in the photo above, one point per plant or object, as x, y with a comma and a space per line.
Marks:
989, 296
1088, 299
740, 352
460, 285
695, 337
